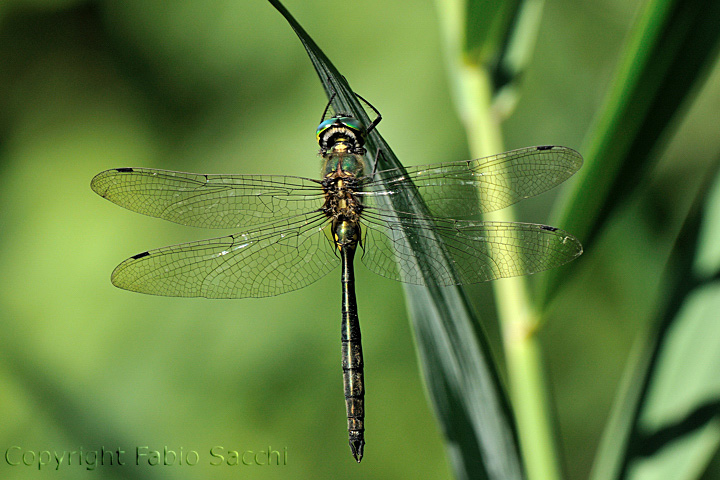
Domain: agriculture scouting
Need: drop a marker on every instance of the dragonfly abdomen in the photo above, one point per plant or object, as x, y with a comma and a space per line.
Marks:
346, 234
353, 381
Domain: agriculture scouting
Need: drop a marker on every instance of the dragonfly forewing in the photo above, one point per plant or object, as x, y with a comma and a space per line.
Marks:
269, 260
209, 201
467, 188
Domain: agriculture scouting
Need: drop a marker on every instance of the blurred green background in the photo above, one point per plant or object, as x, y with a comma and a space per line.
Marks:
225, 87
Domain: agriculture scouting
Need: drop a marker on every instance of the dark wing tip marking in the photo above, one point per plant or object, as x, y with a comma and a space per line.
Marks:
545, 147
124, 170
549, 228
140, 255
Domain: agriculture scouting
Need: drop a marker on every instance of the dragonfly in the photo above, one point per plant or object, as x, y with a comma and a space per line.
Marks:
294, 230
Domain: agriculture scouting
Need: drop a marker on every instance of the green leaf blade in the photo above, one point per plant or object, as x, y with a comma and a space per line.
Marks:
666, 59
462, 379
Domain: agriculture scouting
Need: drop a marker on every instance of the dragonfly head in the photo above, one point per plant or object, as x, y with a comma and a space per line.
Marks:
341, 129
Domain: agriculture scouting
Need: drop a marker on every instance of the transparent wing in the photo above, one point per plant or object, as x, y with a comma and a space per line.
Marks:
478, 251
210, 201
265, 261
462, 189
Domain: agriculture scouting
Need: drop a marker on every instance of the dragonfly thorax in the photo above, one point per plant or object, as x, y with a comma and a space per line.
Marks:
340, 161
341, 202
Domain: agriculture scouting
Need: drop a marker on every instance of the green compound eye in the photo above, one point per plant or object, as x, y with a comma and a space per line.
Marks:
351, 123
324, 126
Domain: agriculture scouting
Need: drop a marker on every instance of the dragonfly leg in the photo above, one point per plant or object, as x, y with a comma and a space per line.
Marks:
374, 123
375, 163
327, 107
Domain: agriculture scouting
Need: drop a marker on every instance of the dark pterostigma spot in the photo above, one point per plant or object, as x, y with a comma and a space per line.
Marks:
548, 228
124, 170
140, 255
546, 147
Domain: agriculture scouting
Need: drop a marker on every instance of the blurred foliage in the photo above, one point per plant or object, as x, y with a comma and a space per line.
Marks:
224, 87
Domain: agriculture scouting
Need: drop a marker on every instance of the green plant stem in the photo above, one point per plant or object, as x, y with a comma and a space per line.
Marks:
517, 318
